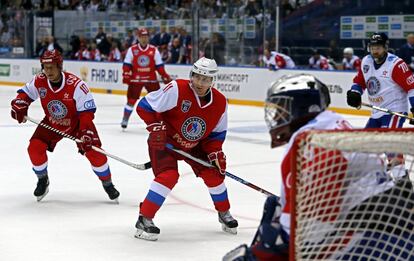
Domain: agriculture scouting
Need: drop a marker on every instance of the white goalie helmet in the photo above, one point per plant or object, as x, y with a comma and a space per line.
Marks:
349, 50
205, 66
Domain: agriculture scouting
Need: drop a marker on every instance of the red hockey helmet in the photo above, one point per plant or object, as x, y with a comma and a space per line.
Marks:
142, 32
52, 57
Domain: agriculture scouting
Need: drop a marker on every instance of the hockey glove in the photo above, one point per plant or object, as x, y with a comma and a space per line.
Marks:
158, 135
89, 139
218, 159
19, 109
412, 120
126, 77
353, 98
166, 79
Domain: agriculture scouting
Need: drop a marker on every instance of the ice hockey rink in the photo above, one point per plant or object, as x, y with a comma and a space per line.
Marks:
77, 221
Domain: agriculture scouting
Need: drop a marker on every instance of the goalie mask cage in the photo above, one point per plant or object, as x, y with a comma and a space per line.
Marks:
352, 196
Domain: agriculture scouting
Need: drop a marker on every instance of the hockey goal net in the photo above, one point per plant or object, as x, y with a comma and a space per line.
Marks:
353, 195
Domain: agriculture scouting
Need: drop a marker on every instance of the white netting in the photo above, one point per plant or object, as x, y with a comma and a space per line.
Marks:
354, 197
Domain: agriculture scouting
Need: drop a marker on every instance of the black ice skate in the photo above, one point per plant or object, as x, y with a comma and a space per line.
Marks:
112, 192
146, 229
228, 223
124, 123
42, 188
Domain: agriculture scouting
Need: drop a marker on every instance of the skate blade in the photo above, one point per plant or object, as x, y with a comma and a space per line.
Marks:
141, 234
116, 200
39, 198
230, 230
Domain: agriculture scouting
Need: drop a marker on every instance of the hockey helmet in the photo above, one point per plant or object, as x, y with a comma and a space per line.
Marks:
349, 50
143, 32
53, 56
205, 66
291, 102
379, 39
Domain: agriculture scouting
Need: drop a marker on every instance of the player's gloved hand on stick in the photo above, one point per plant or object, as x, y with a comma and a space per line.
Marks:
158, 135
19, 109
218, 159
353, 98
126, 78
412, 121
89, 139
166, 79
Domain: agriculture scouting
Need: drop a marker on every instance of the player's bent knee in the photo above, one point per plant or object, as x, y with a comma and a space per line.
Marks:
36, 147
168, 178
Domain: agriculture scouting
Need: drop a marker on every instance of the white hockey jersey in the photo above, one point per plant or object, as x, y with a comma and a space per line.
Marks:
388, 87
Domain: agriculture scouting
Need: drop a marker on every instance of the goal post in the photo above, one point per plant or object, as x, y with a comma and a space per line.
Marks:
352, 195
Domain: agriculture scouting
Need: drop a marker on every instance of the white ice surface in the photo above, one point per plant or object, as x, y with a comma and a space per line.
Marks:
76, 220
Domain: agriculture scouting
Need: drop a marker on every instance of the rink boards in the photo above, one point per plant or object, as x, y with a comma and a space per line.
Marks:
241, 85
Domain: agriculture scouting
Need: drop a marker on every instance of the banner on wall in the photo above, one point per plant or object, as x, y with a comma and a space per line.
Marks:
239, 84
362, 27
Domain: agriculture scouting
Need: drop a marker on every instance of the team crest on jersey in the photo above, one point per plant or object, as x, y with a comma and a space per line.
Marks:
57, 109
366, 68
185, 105
373, 85
193, 128
42, 92
143, 61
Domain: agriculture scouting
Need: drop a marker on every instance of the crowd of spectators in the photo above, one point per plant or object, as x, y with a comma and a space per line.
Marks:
11, 29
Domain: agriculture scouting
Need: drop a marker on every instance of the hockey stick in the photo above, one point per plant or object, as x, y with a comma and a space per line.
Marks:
136, 166
228, 174
146, 81
386, 110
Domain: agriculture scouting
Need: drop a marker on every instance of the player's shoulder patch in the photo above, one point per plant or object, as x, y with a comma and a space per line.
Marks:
392, 58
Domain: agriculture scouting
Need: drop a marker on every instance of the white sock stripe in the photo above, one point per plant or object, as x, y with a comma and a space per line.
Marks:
40, 167
218, 189
129, 108
160, 189
101, 168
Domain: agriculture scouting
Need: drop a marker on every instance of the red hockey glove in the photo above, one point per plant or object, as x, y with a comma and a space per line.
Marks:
218, 159
89, 139
158, 135
126, 77
166, 79
19, 109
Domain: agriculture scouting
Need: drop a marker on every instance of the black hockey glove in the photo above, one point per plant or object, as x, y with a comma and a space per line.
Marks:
412, 120
353, 99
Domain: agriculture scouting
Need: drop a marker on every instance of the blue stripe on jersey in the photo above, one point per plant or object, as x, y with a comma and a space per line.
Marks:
127, 64
143, 103
103, 173
159, 65
217, 135
219, 197
91, 110
40, 172
357, 88
411, 101
155, 198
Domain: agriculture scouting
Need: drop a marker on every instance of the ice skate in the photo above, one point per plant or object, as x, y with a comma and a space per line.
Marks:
146, 229
228, 223
112, 192
124, 123
42, 188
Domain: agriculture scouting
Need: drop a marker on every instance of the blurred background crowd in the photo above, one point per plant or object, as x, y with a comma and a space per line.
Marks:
238, 32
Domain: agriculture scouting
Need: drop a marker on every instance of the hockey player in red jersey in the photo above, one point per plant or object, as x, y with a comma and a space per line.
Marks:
69, 107
141, 62
192, 116
389, 82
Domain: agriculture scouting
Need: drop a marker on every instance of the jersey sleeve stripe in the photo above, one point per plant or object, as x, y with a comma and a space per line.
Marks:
217, 135
145, 105
357, 88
